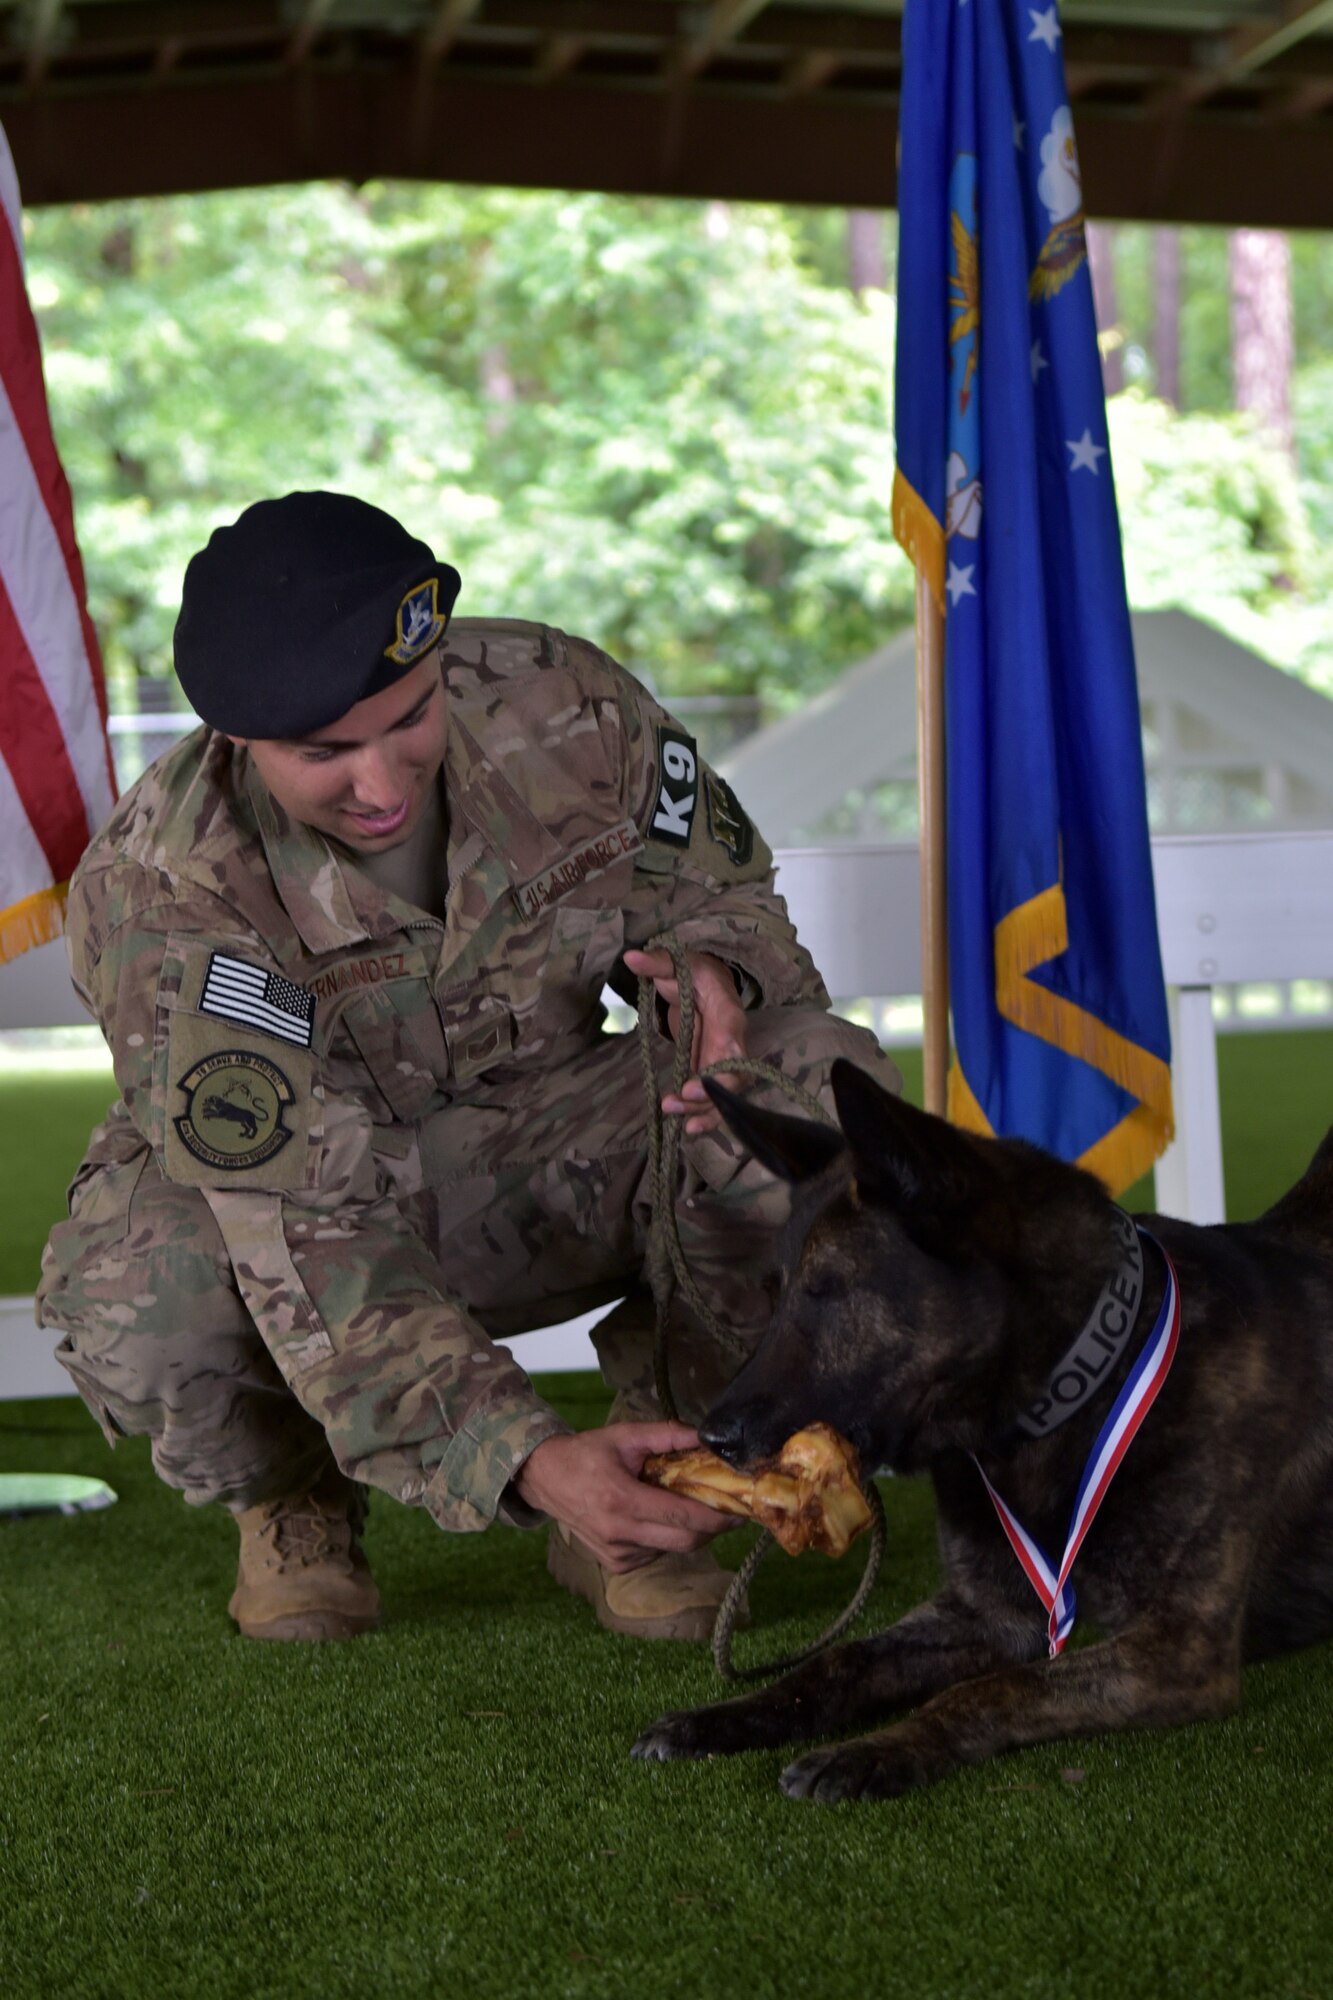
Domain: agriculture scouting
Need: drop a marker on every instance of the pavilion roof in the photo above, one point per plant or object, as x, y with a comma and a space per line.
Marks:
1187, 110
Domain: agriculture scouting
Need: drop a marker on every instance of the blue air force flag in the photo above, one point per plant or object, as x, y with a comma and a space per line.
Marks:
1003, 497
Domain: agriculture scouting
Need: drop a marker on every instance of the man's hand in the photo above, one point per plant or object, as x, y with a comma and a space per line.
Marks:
719, 1027
591, 1482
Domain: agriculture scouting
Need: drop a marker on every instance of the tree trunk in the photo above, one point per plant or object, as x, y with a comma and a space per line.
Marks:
867, 270
118, 251
497, 388
1166, 314
1101, 263
1261, 329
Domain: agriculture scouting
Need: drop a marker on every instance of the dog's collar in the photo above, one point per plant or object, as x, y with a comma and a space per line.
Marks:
1119, 1428
1083, 1367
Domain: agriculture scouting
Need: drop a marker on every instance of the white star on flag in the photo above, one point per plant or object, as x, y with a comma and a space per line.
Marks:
1039, 360
1085, 453
960, 582
1045, 28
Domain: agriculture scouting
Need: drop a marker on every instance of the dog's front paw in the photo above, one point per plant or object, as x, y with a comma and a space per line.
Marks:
689, 1732
864, 1769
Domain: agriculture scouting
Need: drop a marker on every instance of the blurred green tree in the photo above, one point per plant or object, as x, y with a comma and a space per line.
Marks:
650, 422
667, 425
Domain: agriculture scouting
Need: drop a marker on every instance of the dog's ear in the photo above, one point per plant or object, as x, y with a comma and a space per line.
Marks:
795, 1149
906, 1156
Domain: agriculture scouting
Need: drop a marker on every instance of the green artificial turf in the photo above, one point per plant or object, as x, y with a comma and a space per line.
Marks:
45, 1117
448, 1806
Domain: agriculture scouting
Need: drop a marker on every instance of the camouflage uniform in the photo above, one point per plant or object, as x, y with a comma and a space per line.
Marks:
355, 1142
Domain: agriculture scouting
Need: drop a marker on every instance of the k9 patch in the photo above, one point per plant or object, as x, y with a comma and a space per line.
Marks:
678, 786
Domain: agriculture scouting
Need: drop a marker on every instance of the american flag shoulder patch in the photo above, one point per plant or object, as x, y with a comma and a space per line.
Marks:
266, 1000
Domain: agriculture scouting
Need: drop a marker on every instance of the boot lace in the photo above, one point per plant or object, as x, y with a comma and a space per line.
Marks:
304, 1531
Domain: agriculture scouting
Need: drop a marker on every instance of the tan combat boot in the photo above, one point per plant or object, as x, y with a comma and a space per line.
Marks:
670, 1597
302, 1573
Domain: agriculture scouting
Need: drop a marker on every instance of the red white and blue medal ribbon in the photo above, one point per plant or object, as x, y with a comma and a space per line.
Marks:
1131, 1406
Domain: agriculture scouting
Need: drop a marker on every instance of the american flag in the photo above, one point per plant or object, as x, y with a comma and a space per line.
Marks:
57, 783
260, 999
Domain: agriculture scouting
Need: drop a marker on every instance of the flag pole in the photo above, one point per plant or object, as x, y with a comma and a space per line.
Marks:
930, 793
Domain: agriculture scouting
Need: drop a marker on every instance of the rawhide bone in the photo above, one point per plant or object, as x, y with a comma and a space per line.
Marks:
808, 1497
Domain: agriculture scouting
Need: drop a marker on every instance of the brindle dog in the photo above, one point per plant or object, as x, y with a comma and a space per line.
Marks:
932, 1286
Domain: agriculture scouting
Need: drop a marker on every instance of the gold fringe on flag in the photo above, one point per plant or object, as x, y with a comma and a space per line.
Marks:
1034, 933
1131, 1147
916, 529
964, 1109
36, 920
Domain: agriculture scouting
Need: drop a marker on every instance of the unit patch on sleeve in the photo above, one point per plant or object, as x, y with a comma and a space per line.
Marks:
678, 786
726, 821
258, 999
235, 1101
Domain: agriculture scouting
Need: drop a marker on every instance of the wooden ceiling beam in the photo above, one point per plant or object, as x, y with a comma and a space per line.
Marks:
557, 56
1080, 78
169, 52
307, 32
796, 86
1249, 47
155, 32
810, 71
783, 36
725, 20
1307, 100
41, 29
798, 30
1254, 44
1142, 55
440, 36
239, 130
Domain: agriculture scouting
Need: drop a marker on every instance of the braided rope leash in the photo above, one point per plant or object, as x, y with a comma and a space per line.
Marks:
667, 1269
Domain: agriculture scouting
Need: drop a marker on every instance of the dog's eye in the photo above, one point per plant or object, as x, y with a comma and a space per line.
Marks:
825, 1286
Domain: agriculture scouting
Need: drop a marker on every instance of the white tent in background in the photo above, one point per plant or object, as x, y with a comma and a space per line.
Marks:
1231, 744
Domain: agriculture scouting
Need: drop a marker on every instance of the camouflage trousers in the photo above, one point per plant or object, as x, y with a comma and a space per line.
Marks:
537, 1205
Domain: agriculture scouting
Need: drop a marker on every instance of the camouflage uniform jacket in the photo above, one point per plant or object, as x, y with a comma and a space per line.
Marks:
288, 1037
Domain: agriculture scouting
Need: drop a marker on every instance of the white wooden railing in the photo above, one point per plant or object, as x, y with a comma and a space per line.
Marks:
1230, 908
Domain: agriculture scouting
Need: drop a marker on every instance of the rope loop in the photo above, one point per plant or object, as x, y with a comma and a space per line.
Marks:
730, 1608
666, 1259
667, 1269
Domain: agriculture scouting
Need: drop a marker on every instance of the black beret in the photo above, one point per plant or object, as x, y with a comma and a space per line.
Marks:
302, 608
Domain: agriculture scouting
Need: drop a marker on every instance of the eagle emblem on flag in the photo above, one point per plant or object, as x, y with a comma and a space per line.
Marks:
1060, 186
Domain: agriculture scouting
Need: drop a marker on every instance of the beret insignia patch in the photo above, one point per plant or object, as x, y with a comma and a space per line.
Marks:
236, 1101
419, 624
